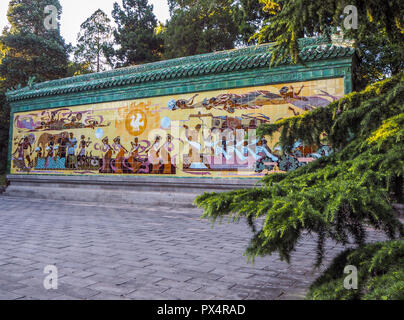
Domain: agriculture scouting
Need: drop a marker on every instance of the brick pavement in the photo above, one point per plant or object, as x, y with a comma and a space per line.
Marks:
126, 252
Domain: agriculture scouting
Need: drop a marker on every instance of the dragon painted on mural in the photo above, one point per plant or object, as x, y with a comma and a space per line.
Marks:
231, 102
60, 119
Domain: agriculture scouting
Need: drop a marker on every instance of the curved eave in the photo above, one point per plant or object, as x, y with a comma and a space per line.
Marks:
217, 63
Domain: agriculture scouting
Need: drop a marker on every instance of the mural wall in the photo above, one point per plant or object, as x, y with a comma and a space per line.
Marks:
203, 134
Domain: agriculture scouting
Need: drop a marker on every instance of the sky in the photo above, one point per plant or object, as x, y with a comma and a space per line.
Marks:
75, 12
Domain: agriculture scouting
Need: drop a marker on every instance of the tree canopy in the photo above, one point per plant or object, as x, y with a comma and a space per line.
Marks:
135, 33
95, 41
335, 197
200, 26
380, 277
379, 39
28, 50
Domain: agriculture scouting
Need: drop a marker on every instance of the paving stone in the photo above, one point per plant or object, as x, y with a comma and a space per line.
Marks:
106, 296
76, 292
8, 295
37, 293
111, 289
11, 285
150, 295
115, 252
179, 285
294, 294
64, 297
77, 281
188, 295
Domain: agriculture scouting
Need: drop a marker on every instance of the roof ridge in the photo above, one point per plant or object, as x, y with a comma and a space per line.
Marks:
251, 57
152, 66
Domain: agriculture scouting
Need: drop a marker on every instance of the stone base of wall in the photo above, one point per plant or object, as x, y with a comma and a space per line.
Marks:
171, 192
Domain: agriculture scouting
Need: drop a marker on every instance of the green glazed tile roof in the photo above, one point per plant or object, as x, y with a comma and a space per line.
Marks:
313, 49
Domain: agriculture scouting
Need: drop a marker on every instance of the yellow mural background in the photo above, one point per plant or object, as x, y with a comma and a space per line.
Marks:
121, 119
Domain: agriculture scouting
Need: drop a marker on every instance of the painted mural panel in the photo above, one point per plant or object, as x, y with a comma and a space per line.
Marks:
202, 134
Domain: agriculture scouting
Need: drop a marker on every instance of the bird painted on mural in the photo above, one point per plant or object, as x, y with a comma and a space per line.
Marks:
137, 122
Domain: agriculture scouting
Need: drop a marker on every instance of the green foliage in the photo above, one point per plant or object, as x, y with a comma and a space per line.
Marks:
27, 55
78, 68
334, 197
2, 180
379, 56
249, 19
205, 26
94, 42
135, 34
379, 37
27, 50
200, 26
4, 125
28, 16
380, 274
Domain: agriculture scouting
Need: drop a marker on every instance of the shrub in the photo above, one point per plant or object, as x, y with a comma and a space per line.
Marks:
335, 197
380, 274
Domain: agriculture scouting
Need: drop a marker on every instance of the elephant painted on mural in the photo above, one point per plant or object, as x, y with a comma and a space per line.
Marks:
46, 137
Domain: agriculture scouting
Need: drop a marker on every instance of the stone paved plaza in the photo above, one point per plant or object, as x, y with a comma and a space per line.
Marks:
128, 252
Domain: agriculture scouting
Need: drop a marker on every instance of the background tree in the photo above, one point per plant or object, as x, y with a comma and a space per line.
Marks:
200, 26
250, 18
78, 68
4, 126
339, 196
335, 197
28, 50
379, 37
94, 41
135, 34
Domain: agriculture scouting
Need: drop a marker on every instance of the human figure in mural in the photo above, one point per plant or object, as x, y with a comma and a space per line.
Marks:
51, 121
245, 149
167, 148
154, 156
194, 159
82, 155
55, 123
106, 159
218, 147
71, 152
22, 154
221, 154
266, 160
289, 93
75, 122
182, 103
134, 161
62, 150
120, 158
51, 155
38, 159
209, 145
211, 141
